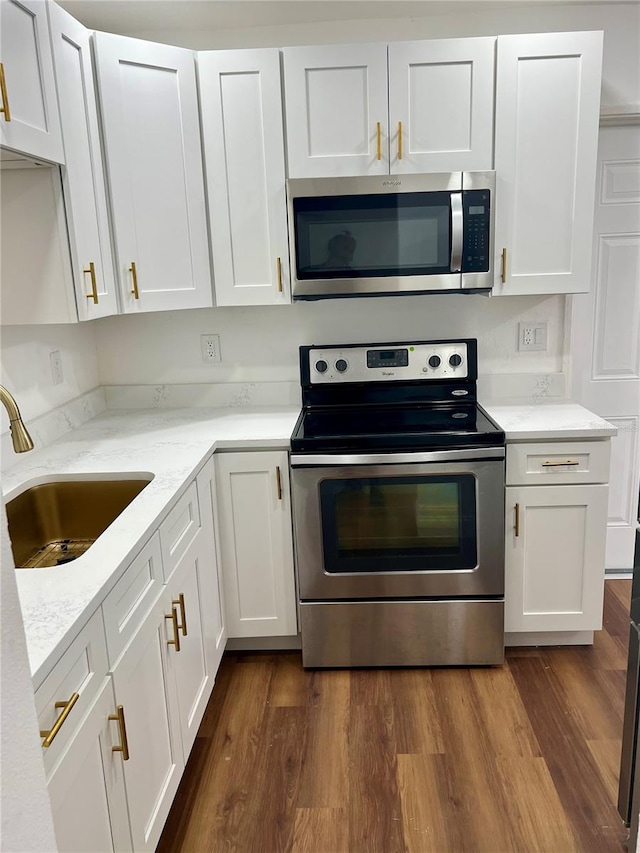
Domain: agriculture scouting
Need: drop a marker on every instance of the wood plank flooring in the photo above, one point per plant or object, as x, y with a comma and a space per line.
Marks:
517, 758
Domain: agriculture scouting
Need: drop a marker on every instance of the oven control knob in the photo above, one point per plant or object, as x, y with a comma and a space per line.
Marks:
341, 365
455, 360
321, 366
434, 361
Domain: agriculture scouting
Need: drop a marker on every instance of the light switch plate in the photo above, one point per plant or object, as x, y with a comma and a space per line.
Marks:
532, 336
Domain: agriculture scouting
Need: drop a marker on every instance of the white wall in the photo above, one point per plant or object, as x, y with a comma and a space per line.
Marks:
261, 344
26, 365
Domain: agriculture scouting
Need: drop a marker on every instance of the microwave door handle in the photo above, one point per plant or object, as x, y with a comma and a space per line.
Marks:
456, 232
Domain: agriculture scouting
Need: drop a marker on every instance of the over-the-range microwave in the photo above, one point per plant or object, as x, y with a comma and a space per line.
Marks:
382, 236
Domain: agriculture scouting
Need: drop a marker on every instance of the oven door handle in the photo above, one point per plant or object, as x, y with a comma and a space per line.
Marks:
457, 232
325, 460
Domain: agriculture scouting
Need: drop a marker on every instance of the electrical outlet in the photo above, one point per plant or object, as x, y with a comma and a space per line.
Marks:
532, 336
211, 349
56, 367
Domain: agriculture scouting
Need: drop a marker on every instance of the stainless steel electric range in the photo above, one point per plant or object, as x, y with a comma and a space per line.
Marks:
397, 478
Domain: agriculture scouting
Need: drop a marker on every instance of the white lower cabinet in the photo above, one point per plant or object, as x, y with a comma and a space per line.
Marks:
555, 545
86, 788
256, 543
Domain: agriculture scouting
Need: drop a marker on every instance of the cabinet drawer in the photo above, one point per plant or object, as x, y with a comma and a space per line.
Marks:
82, 669
131, 598
558, 462
179, 530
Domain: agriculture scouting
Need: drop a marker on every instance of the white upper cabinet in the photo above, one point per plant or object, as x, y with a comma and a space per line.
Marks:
337, 112
547, 108
29, 119
441, 105
241, 107
151, 129
428, 109
83, 176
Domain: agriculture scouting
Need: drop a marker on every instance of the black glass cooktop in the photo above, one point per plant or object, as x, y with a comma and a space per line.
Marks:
365, 428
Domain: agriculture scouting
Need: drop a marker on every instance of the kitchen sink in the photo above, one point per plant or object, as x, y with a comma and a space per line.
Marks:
53, 523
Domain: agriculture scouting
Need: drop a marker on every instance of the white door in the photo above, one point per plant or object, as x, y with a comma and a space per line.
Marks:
243, 136
605, 330
86, 789
256, 543
547, 108
554, 557
29, 119
151, 128
336, 109
212, 592
83, 176
441, 105
147, 693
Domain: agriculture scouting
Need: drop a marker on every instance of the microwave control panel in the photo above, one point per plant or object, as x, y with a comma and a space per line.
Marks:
476, 212
407, 362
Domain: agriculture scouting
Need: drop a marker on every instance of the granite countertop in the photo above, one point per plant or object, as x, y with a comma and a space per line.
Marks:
171, 444
545, 421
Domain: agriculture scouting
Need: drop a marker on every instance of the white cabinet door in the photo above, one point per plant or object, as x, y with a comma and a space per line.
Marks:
29, 121
256, 543
151, 132
241, 105
189, 658
211, 593
554, 559
86, 788
146, 691
547, 108
83, 176
441, 105
336, 108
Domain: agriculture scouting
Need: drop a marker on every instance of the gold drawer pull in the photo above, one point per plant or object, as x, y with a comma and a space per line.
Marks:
3, 94
66, 706
516, 525
503, 276
94, 287
134, 277
176, 631
399, 140
378, 141
279, 274
278, 483
179, 602
559, 464
122, 728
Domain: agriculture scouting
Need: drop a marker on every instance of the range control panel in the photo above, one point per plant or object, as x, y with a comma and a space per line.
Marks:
406, 362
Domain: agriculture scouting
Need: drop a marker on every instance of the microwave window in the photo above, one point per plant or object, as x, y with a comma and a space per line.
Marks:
375, 235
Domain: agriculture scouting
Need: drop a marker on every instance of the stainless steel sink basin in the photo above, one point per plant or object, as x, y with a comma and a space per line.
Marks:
52, 523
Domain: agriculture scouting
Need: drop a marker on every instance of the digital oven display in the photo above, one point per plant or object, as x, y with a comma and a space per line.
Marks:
387, 358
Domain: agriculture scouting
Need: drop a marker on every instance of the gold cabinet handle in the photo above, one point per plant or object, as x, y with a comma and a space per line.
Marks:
176, 628
559, 464
503, 276
3, 94
66, 706
278, 483
399, 140
179, 602
279, 274
134, 278
122, 728
378, 141
516, 524
94, 287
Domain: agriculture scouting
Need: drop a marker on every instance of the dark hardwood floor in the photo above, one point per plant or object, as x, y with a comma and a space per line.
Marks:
517, 758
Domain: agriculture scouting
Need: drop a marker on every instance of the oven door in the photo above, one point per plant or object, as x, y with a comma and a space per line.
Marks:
423, 525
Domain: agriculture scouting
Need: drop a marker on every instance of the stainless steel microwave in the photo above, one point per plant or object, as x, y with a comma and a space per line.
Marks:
382, 236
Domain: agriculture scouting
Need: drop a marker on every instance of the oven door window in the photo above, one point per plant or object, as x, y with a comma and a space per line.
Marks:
399, 524
372, 235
